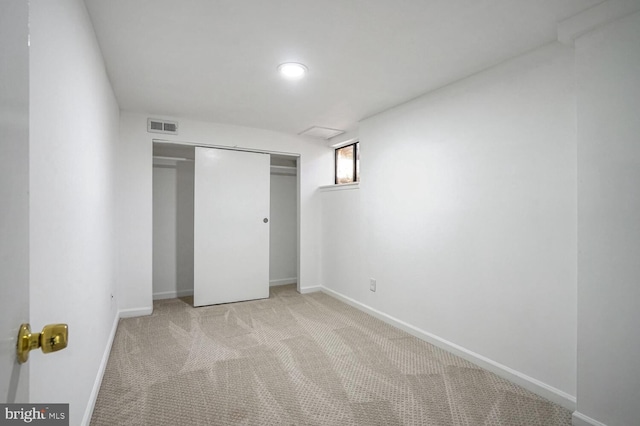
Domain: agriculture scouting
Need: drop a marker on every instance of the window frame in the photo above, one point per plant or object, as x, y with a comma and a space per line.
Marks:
356, 158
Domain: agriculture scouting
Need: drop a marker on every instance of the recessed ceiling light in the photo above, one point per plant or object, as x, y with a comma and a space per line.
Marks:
292, 70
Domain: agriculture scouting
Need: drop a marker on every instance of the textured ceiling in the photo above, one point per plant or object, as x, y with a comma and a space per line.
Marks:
216, 59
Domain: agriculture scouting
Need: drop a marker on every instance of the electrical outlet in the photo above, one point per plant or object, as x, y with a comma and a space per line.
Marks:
372, 285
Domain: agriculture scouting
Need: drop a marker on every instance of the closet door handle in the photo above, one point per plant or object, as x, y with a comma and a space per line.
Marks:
265, 220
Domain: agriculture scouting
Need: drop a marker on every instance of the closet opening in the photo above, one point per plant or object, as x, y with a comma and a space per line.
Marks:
174, 180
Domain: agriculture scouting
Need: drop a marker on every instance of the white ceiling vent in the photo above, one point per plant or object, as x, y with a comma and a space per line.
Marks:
321, 132
162, 126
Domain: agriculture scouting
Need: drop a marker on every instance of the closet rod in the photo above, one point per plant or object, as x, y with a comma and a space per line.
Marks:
159, 157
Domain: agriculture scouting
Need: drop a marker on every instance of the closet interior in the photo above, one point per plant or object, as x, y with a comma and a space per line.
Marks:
174, 176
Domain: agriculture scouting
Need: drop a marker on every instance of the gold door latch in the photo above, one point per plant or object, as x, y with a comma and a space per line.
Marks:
53, 338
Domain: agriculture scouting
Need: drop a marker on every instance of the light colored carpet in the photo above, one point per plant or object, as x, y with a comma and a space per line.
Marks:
297, 360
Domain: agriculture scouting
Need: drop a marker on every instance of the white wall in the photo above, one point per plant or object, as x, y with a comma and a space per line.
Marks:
73, 134
164, 231
466, 216
173, 230
134, 224
184, 226
135, 248
608, 101
283, 258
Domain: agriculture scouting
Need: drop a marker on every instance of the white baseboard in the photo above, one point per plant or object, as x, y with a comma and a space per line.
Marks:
546, 391
136, 312
313, 289
172, 294
579, 419
103, 365
283, 281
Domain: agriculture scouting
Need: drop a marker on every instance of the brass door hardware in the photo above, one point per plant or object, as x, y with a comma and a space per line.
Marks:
53, 338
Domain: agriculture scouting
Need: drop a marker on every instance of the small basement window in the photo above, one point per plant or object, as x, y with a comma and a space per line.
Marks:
348, 163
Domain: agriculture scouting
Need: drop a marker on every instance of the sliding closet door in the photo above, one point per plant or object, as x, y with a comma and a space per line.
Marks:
231, 233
